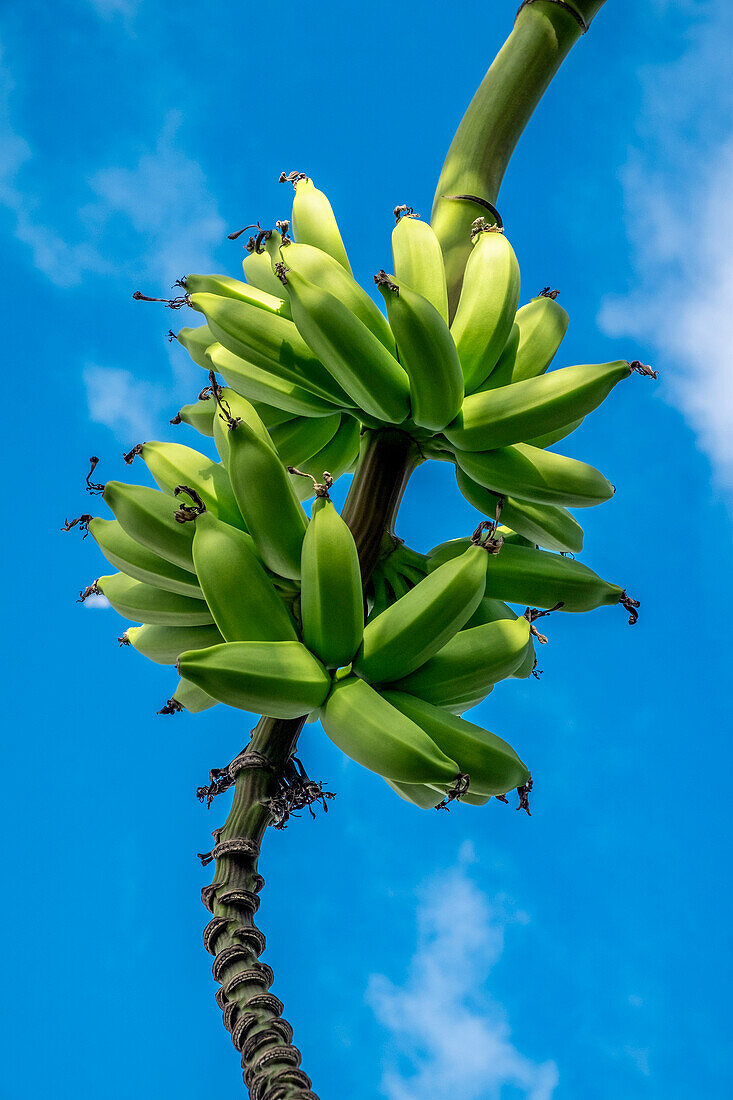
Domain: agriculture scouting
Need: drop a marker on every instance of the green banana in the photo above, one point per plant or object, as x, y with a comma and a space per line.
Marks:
270, 416
490, 611
240, 595
543, 524
280, 679
234, 288
264, 493
301, 438
257, 267
359, 362
172, 464
129, 556
143, 603
376, 735
418, 259
323, 271
509, 414
196, 341
427, 352
336, 458
313, 218
268, 341
470, 663
164, 644
526, 666
409, 632
148, 517
536, 475
191, 698
331, 601
259, 385
233, 406
487, 305
539, 328
492, 765
419, 794
198, 415
550, 438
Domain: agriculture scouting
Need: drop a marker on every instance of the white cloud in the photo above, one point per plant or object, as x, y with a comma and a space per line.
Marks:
678, 188
97, 603
455, 1039
126, 405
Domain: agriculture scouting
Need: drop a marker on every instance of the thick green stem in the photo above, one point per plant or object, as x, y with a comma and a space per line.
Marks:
543, 35
253, 1016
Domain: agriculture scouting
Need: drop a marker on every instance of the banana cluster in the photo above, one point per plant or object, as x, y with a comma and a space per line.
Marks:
260, 607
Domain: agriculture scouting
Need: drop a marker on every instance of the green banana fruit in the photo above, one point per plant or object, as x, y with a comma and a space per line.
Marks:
550, 438
234, 288
148, 517
323, 271
199, 415
487, 305
301, 438
539, 328
280, 679
331, 601
409, 632
172, 464
540, 579
536, 475
196, 341
427, 352
418, 259
233, 406
492, 765
188, 697
359, 362
376, 735
129, 556
143, 603
490, 611
264, 493
240, 595
470, 663
270, 416
257, 267
509, 414
259, 385
313, 218
164, 644
543, 524
419, 794
336, 458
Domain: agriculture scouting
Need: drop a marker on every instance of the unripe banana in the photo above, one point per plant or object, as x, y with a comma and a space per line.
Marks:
234, 288
418, 260
199, 415
536, 475
260, 385
257, 267
129, 556
313, 219
487, 305
301, 438
419, 794
427, 352
526, 666
279, 679
336, 458
266, 499
323, 271
540, 327
376, 735
470, 663
510, 414
191, 698
368, 373
490, 611
233, 406
549, 439
540, 579
492, 765
148, 516
240, 595
172, 464
543, 524
196, 341
145, 604
409, 632
268, 341
331, 601
164, 644
271, 416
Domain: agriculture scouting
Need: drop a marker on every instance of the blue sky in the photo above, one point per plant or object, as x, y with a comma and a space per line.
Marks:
582, 952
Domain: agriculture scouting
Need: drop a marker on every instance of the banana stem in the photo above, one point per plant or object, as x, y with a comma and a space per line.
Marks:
252, 1015
543, 35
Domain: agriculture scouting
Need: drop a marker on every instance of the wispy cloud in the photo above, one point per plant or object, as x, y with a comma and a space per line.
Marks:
455, 1040
129, 407
678, 187
151, 219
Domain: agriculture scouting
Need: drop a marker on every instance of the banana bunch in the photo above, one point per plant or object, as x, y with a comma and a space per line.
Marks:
260, 606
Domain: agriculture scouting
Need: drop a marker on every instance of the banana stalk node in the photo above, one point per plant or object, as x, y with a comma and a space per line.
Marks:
498, 225
561, 4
